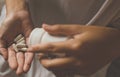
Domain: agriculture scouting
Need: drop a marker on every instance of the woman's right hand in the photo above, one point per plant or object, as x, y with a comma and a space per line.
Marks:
88, 49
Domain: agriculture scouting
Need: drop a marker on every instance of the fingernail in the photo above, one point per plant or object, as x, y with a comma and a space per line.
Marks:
46, 26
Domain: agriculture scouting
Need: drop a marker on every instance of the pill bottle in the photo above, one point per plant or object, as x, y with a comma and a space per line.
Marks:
39, 35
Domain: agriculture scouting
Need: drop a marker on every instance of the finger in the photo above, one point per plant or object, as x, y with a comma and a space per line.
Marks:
28, 60
3, 50
20, 60
58, 63
12, 60
4, 53
63, 29
62, 47
40, 55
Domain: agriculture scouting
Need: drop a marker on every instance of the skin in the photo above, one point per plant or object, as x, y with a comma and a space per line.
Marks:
88, 49
17, 21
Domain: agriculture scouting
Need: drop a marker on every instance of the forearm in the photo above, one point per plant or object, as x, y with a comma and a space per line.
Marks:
14, 6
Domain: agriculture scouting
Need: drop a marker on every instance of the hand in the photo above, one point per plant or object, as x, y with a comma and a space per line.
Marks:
89, 48
13, 25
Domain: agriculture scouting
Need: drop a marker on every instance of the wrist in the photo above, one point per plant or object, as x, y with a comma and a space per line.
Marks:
22, 14
16, 6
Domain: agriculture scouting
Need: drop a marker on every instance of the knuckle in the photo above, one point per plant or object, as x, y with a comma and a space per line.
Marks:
20, 55
12, 54
35, 48
76, 46
50, 47
28, 63
56, 27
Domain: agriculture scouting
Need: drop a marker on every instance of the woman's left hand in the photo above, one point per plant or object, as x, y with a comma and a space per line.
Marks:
89, 48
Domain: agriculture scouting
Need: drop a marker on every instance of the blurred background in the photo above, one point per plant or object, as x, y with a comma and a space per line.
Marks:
1, 4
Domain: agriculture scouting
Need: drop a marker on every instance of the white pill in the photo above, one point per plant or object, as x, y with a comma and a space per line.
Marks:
15, 48
22, 42
21, 39
18, 37
20, 45
23, 49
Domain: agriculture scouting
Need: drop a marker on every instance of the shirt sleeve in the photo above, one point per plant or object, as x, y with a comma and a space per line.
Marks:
110, 16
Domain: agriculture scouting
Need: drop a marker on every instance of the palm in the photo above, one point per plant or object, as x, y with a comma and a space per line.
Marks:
11, 27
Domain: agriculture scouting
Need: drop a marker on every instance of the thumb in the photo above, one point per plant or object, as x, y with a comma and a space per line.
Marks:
4, 53
63, 29
3, 50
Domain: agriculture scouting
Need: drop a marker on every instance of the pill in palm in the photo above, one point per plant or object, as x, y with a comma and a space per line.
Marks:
21, 39
15, 48
23, 49
18, 37
20, 45
22, 42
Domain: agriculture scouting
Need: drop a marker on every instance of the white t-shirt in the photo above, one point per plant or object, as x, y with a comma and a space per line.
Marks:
89, 12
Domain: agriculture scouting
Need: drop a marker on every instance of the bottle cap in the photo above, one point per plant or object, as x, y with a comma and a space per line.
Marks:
36, 36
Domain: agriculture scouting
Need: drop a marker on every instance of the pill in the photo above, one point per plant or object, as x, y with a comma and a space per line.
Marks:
20, 45
21, 39
22, 42
15, 48
23, 49
18, 37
